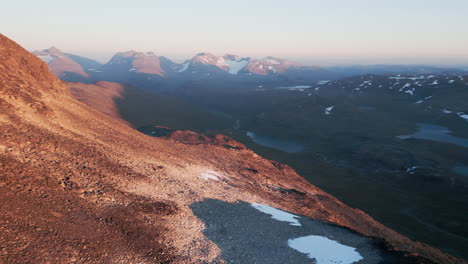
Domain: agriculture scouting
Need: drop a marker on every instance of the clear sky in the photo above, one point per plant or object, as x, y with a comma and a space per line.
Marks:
310, 31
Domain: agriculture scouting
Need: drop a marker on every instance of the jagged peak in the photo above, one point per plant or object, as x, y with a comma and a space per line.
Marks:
53, 49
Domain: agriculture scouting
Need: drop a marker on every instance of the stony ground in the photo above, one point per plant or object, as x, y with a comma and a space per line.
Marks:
78, 186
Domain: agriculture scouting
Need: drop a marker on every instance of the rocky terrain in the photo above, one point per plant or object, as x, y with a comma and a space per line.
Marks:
79, 186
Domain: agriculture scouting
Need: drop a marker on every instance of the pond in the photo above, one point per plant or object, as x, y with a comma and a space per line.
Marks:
284, 145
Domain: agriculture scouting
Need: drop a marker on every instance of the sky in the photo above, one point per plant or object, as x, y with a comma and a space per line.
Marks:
331, 32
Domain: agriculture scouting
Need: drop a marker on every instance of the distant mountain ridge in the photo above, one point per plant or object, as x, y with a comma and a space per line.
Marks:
207, 71
201, 64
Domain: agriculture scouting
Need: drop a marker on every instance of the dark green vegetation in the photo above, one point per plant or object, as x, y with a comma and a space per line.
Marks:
142, 108
353, 151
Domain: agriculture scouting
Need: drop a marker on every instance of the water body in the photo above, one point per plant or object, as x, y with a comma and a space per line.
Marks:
297, 87
436, 133
276, 143
255, 233
462, 170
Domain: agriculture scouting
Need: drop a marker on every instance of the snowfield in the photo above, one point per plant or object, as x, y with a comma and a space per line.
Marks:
324, 250
278, 214
236, 66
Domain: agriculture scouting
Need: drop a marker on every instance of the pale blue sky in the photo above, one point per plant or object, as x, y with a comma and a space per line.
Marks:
310, 31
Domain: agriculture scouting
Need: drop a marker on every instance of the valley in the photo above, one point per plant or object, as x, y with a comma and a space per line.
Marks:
356, 150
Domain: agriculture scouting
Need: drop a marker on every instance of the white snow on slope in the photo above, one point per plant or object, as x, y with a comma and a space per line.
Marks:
297, 87
328, 110
236, 66
420, 101
405, 86
407, 78
271, 61
410, 91
464, 116
278, 214
435, 82
46, 58
365, 82
324, 250
184, 66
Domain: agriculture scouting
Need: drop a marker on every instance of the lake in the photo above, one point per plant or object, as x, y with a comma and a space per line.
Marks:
436, 133
461, 170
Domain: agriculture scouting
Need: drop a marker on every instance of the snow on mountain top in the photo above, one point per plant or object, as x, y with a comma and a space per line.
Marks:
235, 66
46, 58
271, 60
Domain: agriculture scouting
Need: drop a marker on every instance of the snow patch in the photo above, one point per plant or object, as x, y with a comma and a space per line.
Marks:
365, 82
464, 116
297, 87
410, 91
408, 78
328, 110
411, 169
405, 86
278, 214
324, 250
271, 61
47, 58
421, 101
236, 66
184, 66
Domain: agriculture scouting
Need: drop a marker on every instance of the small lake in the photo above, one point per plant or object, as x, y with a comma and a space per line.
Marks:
276, 143
461, 170
436, 133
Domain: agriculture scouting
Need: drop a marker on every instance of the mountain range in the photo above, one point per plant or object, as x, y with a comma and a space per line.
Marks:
149, 70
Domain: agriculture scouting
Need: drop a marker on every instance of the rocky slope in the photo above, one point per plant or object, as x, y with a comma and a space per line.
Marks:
78, 186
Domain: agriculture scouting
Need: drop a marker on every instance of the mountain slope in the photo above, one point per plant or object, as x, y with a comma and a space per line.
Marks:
132, 61
61, 64
80, 186
87, 64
